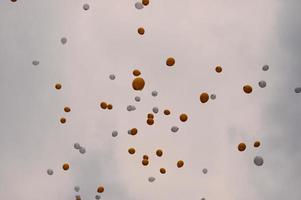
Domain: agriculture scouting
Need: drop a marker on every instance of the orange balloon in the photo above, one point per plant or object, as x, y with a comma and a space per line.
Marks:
180, 163
204, 97
159, 152
138, 83
145, 162
58, 86
65, 166
100, 189
218, 69
63, 120
136, 72
247, 89
110, 106
145, 157
145, 2
166, 112
67, 109
132, 150
241, 147
183, 117
162, 171
256, 144
170, 61
150, 116
150, 121
103, 105
141, 31
134, 131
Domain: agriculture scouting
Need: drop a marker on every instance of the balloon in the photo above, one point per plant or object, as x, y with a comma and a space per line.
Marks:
50, 172
247, 89
97, 197
131, 150
256, 144
63, 40
114, 133
159, 152
258, 160
136, 72
150, 116
138, 83
110, 106
297, 89
174, 129
77, 188
166, 112
218, 69
145, 2
35, 62
151, 179
112, 77
180, 163
205, 171
262, 84
130, 108
150, 121
204, 97
65, 166
58, 86
265, 68
134, 131
183, 117
100, 189
170, 61
139, 5
82, 150
77, 146
103, 105
145, 157
145, 162
213, 96
86, 6
63, 120
155, 110
141, 31
67, 109
154, 93
162, 170
241, 147
137, 98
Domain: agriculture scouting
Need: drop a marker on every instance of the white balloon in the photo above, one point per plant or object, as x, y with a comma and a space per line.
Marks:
63, 40
262, 84
258, 160
137, 98
86, 6
174, 129
76, 145
155, 110
205, 171
151, 179
265, 68
112, 76
114, 133
35, 62
139, 5
154, 93
213, 96
77, 188
82, 150
298, 89
49, 172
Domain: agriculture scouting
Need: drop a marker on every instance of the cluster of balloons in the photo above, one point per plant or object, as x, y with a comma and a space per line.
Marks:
258, 160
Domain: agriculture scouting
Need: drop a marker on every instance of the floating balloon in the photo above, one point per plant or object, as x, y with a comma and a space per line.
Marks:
151, 179
136, 72
114, 133
63, 40
265, 68
150, 121
258, 160
180, 163
170, 61
155, 110
77, 146
86, 6
145, 157
134, 131
159, 152
213, 96
205, 171
241, 147
218, 69
247, 89
150, 116
110, 106
145, 162
82, 150
130, 108
162, 170
77, 188
154, 93
297, 89
103, 105
100, 189
137, 99
141, 31
174, 129
166, 112
112, 76
67, 109
63, 120
204, 97
262, 84
256, 144
65, 166
183, 117
145, 2
97, 197
131, 150
138, 5
138, 83
50, 172
35, 62
58, 86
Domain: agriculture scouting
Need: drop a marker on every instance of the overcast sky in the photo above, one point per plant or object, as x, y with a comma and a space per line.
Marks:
241, 36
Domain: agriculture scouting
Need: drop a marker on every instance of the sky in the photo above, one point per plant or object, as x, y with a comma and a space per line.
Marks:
241, 36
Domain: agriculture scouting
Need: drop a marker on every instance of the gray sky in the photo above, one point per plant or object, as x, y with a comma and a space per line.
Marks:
241, 36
